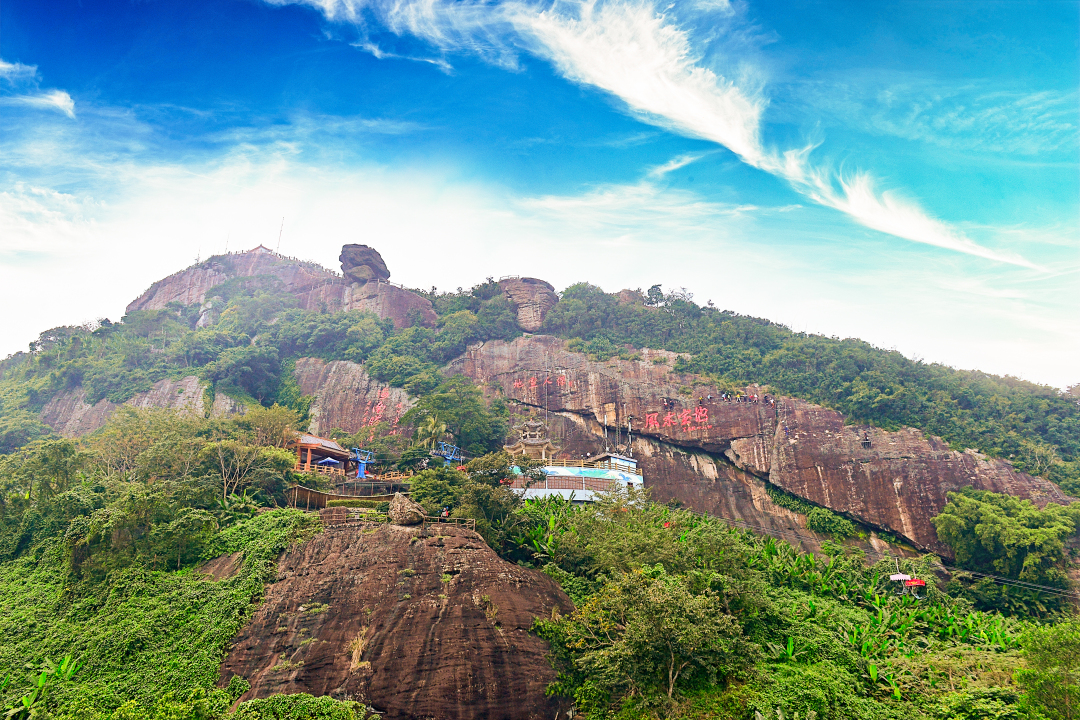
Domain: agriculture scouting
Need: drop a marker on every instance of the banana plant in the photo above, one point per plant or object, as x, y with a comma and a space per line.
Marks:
33, 701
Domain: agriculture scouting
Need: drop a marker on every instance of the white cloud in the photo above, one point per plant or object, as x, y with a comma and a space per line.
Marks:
972, 116
674, 164
22, 89
51, 100
431, 227
886, 211
13, 72
636, 52
472, 26
630, 50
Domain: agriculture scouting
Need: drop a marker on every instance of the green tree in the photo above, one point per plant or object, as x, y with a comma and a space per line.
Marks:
251, 368
478, 427
1052, 676
1006, 535
273, 426
499, 467
414, 458
430, 431
437, 488
648, 632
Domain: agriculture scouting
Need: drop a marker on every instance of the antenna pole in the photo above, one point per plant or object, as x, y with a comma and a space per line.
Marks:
280, 230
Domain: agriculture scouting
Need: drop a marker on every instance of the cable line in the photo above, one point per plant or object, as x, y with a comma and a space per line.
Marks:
996, 578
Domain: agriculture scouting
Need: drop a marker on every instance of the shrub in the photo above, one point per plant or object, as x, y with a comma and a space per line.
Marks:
300, 707
356, 503
826, 521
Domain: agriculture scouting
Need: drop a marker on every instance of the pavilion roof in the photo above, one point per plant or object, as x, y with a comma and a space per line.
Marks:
322, 445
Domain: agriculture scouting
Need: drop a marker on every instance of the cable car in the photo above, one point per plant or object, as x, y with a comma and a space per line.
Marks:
915, 585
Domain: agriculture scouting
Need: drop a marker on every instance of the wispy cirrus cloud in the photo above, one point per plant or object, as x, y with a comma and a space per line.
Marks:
632, 51
972, 116
19, 86
52, 100
639, 53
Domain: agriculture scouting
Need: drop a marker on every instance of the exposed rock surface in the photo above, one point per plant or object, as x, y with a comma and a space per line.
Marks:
191, 286
346, 397
403, 307
897, 484
403, 511
361, 264
699, 480
70, 415
532, 299
316, 289
417, 627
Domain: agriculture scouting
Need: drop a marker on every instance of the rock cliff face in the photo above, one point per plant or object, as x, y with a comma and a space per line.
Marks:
532, 299
714, 455
191, 286
403, 307
69, 414
315, 288
346, 397
416, 626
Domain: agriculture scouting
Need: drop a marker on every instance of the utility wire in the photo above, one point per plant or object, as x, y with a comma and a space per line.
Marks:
996, 578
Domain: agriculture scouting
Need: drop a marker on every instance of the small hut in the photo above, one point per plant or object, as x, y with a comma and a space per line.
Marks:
320, 455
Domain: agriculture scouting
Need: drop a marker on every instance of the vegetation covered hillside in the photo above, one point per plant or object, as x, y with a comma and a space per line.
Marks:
678, 616
102, 537
247, 354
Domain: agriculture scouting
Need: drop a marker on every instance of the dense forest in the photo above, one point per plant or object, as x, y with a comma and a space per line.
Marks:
677, 615
248, 351
107, 618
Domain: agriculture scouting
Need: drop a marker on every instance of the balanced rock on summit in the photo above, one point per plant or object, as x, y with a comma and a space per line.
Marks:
362, 264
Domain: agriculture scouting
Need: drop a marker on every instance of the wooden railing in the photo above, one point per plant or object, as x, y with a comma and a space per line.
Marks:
304, 498
333, 521
320, 469
601, 465
566, 483
365, 488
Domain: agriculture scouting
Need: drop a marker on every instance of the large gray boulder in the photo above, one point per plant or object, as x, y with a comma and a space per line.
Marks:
404, 511
361, 264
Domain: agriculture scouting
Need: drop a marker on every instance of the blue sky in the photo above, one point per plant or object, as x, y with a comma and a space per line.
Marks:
907, 173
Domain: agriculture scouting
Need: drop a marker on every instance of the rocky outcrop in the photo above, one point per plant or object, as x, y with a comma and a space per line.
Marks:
897, 483
415, 626
361, 264
316, 289
346, 397
403, 511
402, 307
70, 415
532, 299
193, 285
694, 478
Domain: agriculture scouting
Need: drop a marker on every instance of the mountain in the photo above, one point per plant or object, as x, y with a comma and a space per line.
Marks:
713, 456
146, 533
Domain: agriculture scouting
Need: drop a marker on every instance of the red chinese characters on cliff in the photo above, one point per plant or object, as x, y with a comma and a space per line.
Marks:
688, 419
376, 414
534, 382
